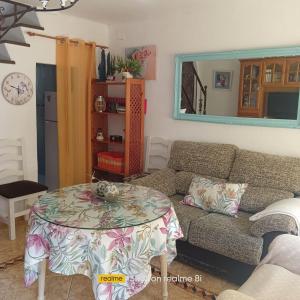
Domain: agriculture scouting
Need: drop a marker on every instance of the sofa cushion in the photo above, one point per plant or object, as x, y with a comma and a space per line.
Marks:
162, 180
278, 222
222, 198
256, 199
185, 214
266, 170
184, 179
202, 158
227, 236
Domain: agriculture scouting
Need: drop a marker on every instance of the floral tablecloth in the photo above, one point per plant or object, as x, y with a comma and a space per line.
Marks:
65, 228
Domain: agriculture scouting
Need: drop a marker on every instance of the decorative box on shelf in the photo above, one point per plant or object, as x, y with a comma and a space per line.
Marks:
111, 161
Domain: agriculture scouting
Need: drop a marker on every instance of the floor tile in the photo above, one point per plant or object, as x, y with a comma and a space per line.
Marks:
79, 287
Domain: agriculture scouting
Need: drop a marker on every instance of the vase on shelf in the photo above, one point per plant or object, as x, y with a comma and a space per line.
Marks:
100, 104
102, 66
110, 78
268, 75
126, 75
100, 136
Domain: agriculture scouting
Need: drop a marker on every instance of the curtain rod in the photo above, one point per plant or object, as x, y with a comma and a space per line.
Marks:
30, 33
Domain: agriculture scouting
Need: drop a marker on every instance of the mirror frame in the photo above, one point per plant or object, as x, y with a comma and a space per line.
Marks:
237, 54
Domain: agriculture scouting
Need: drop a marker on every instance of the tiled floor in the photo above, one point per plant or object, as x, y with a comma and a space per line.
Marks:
79, 287
71, 288
11, 249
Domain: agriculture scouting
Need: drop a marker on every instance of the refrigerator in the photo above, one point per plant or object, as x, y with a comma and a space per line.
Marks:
51, 142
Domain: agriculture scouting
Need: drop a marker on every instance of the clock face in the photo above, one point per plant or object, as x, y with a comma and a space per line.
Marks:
17, 88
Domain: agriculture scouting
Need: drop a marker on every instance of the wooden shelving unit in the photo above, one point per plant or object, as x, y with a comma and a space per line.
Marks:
108, 142
132, 124
112, 172
108, 113
106, 83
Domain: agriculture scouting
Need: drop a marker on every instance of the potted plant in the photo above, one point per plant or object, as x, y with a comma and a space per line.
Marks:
128, 67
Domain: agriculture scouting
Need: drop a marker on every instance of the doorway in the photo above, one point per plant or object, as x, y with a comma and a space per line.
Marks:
47, 140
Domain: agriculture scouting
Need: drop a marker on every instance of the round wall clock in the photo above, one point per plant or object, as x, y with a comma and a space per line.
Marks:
17, 88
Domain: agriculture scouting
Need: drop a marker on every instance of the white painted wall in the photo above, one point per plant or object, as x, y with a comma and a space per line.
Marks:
220, 102
20, 121
213, 26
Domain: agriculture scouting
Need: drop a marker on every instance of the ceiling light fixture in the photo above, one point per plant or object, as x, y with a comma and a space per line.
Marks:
55, 5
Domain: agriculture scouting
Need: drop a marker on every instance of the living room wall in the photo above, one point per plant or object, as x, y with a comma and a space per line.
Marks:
214, 26
20, 121
220, 102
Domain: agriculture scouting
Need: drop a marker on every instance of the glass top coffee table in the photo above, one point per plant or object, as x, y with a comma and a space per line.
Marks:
80, 233
78, 207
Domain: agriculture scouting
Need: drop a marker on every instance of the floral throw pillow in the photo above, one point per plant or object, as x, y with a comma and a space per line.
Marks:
222, 198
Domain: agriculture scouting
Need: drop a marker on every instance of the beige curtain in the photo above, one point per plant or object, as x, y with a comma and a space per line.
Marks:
75, 69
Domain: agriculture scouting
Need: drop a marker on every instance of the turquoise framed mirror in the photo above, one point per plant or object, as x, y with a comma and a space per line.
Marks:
258, 87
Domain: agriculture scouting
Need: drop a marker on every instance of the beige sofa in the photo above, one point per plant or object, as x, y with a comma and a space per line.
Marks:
270, 178
276, 278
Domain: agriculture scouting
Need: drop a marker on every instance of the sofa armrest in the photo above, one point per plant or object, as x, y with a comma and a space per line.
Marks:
162, 180
284, 251
233, 295
278, 222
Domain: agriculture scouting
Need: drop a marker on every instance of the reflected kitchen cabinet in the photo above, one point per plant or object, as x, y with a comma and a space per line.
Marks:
250, 88
274, 71
293, 71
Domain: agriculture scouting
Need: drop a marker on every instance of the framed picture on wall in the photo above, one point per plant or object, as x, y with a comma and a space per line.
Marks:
147, 57
222, 80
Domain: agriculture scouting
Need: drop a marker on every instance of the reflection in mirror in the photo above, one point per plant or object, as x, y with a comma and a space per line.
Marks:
260, 87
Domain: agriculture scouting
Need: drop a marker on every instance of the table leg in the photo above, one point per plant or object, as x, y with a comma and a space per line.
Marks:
42, 276
164, 275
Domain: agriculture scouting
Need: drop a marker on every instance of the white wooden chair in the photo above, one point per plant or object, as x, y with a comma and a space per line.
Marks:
16, 194
157, 153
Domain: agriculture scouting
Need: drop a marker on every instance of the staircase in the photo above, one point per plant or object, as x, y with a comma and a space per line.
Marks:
13, 17
194, 93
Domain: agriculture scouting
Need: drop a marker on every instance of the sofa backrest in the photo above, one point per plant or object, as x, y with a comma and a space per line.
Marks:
266, 170
202, 158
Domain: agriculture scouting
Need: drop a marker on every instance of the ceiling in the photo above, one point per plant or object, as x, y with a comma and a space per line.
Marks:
119, 11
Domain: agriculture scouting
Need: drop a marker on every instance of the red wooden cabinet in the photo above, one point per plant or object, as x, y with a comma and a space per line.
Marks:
129, 124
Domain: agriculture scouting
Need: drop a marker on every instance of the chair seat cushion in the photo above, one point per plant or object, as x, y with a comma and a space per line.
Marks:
21, 188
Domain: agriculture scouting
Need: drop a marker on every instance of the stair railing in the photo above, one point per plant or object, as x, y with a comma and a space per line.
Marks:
2, 20
188, 100
203, 92
17, 14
